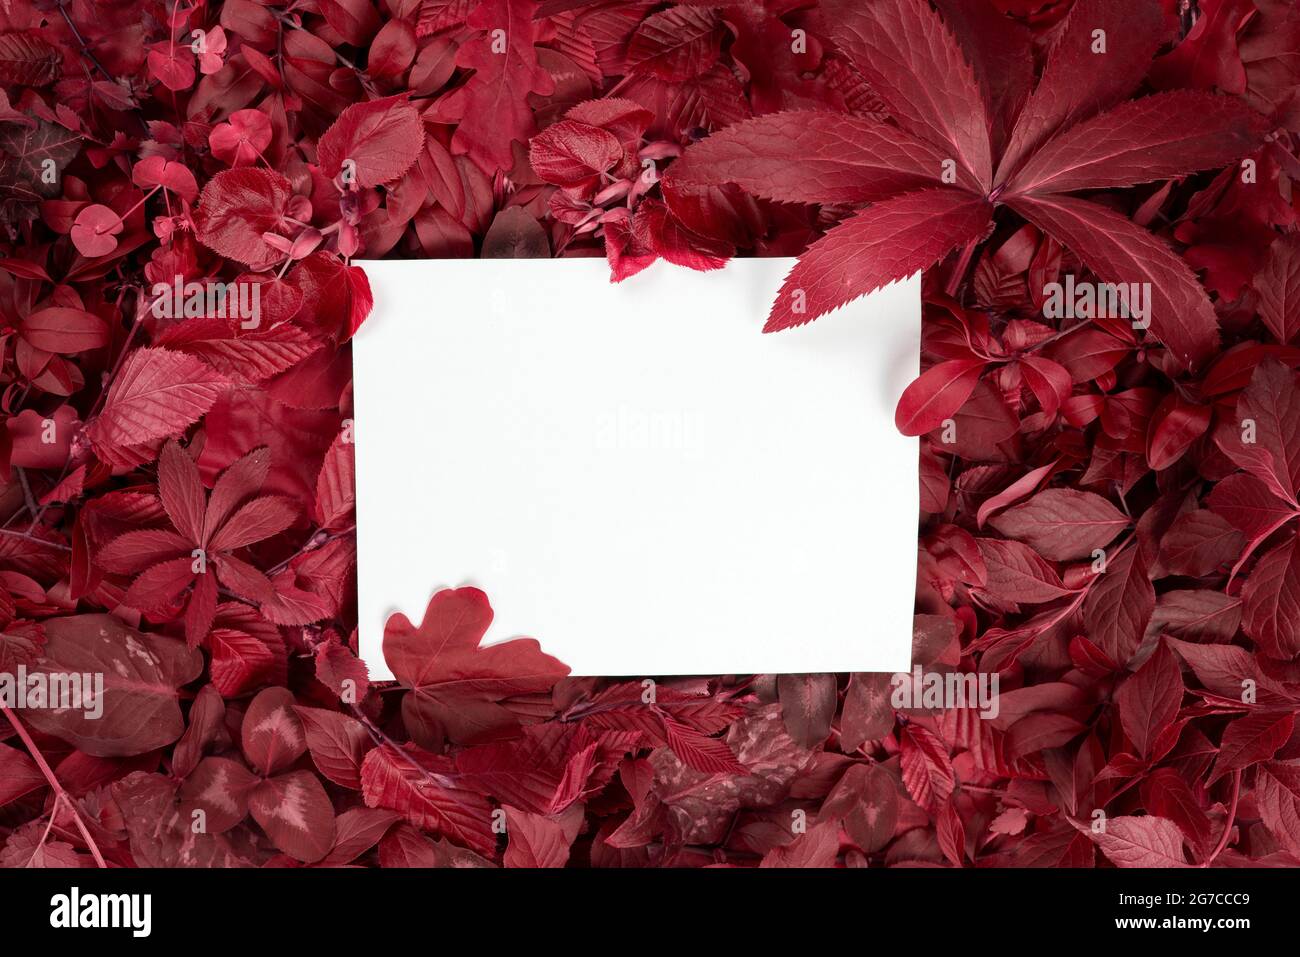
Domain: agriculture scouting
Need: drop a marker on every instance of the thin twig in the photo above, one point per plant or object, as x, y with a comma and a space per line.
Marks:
27, 537
59, 792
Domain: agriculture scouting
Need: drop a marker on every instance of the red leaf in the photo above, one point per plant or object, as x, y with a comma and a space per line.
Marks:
244, 356
271, 735
1119, 605
1062, 524
219, 787
1017, 573
141, 675
841, 159
927, 769
157, 394
1278, 285
455, 683
819, 846
808, 703
885, 242
913, 63
1141, 141
338, 744
1121, 252
676, 44
1264, 437
535, 841
1251, 739
64, 331
1198, 543
1271, 601
1174, 427
699, 752
492, 106
937, 395
1149, 700
1079, 79
1277, 793
95, 230
236, 208
295, 812
240, 662
26, 59
410, 783
381, 138
573, 154
1147, 841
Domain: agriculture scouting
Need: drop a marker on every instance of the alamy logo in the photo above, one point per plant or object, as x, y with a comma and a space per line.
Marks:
1098, 300
944, 691
214, 300
53, 690
103, 910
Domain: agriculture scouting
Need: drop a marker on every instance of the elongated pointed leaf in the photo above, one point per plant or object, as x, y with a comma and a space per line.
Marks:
1100, 57
1154, 138
940, 391
840, 159
1121, 252
915, 65
888, 241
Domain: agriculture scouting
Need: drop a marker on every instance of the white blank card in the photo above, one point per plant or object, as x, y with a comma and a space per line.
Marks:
633, 473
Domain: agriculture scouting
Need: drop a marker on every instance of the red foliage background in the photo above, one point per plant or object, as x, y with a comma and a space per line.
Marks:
270, 143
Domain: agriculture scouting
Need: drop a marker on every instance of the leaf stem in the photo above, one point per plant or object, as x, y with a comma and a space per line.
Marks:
959, 271
1232, 819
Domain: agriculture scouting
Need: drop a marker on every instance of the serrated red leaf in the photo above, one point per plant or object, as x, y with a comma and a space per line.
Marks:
1146, 841
912, 62
1121, 252
381, 139
883, 243
409, 783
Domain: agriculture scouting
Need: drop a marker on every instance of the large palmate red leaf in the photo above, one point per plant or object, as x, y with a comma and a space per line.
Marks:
1120, 252
1154, 138
141, 674
492, 105
913, 63
841, 159
888, 241
1078, 81
456, 685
